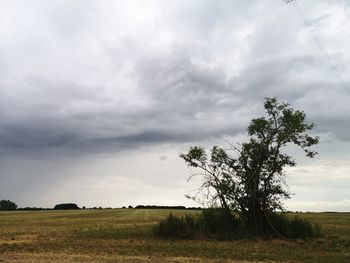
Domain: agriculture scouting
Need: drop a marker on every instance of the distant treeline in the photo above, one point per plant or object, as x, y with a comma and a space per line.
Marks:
164, 207
33, 208
7, 205
58, 208
75, 207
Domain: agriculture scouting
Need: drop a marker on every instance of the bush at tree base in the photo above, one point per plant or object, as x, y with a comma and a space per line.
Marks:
176, 227
293, 228
217, 224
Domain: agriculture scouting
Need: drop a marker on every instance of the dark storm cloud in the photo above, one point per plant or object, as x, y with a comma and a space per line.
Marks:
27, 137
187, 102
182, 97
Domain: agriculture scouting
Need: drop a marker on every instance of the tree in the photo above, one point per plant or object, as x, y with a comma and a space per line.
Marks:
67, 206
251, 183
7, 205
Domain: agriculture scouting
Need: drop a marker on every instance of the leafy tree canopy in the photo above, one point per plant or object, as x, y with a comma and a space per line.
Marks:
66, 206
7, 205
251, 181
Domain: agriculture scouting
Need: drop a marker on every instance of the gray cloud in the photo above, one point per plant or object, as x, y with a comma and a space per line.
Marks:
182, 99
115, 77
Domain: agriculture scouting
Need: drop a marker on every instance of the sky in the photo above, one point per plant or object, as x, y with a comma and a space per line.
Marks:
99, 98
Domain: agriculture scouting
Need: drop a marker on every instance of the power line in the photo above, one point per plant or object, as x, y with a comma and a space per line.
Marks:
318, 42
347, 3
309, 27
341, 4
344, 4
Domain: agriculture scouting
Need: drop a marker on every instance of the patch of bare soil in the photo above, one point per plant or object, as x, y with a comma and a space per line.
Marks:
27, 238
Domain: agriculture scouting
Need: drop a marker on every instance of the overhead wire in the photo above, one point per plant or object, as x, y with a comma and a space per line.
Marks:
319, 43
347, 3
344, 5
310, 28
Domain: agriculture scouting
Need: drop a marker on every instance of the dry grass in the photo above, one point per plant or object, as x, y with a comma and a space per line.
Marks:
125, 235
57, 257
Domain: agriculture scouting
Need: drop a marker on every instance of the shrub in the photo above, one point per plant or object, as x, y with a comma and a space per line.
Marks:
221, 225
212, 223
218, 223
280, 225
176, 227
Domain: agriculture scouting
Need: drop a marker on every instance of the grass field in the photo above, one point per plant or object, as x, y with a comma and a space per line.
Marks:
125, 235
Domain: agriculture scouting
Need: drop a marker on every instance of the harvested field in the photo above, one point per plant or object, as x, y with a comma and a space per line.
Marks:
125, 235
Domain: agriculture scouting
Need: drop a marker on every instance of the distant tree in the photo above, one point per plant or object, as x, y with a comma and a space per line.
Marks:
251, 183
130, 207
32, 209
7, 205
67, 206
159, 207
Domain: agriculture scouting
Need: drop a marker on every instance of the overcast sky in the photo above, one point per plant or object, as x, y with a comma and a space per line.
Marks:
98, 98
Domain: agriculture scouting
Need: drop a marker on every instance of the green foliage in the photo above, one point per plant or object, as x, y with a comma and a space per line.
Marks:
67, 206
218, 224
7, 205
211, 223
176, 227
215, 223
281, 226
252, 182
174, 207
